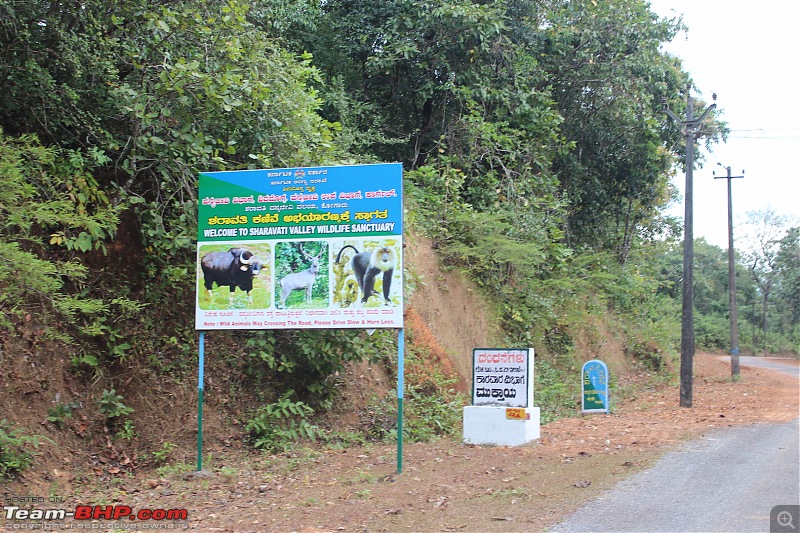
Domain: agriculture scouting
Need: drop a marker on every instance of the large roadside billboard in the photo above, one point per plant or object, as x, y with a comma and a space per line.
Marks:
294, 248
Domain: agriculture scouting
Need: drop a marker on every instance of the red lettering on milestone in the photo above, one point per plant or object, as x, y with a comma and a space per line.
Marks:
501, 357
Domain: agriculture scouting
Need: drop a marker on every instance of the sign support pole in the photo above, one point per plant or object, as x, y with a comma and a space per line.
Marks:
400, 387
200, 365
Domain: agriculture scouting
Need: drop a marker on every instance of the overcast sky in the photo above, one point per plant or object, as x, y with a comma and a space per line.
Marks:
749, 54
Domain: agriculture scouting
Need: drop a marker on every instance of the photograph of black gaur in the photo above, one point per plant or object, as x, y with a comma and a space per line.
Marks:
301, 274
366, 273
234, 276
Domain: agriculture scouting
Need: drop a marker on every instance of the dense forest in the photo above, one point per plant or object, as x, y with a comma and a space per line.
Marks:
537, 156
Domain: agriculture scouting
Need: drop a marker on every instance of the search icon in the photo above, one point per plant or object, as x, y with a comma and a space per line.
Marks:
785, 519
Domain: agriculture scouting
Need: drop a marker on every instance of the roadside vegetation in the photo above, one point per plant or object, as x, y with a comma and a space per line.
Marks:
537, 159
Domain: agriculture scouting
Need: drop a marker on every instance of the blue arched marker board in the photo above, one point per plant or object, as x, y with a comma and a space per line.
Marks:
594, 384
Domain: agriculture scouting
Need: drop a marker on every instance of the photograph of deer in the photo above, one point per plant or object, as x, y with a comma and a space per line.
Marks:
301, 269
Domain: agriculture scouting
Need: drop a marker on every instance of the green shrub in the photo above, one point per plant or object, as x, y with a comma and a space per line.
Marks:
111, 405
276, 426
427, 417
712, 332
552, 393
127, 432
161, 455
49, 201
432, 408
58, 414
15, 449
304, 361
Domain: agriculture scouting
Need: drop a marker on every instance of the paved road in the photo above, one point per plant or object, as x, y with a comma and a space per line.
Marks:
729, 481
771, 363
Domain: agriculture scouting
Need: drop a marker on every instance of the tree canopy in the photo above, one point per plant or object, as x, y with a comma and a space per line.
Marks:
532, 132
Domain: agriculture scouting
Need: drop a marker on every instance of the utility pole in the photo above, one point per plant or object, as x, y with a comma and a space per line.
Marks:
734, 313
692, 130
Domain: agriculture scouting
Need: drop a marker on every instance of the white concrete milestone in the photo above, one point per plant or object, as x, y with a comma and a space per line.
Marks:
491, 426
502, 412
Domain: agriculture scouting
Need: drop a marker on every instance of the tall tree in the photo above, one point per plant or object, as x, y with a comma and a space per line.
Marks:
57, 61
208, 90
763, 235
609, 79
787, 289
166, 90
409, 60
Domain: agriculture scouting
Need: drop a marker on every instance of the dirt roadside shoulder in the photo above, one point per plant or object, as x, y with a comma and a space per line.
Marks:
449, 486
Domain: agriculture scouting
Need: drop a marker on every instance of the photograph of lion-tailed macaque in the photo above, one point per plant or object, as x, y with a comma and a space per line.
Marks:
366, 273
301, 275
234, 276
